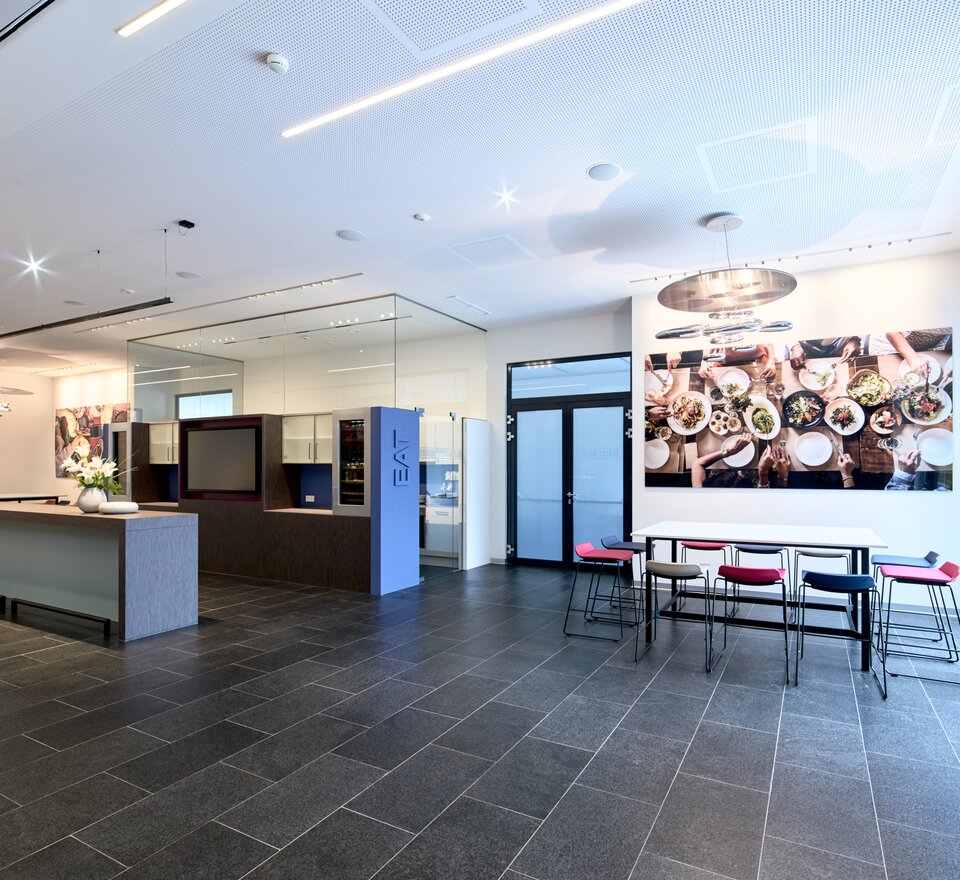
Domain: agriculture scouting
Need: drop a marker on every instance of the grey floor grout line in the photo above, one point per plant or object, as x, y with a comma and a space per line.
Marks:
827, 851
91, 846
275, 849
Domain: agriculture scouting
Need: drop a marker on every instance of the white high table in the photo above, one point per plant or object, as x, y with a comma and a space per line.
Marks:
859, 541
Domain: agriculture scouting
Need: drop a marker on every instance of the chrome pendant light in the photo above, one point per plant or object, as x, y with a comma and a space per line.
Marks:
727, 296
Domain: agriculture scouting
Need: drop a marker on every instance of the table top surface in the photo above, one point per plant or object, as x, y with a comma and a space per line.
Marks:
62, 515
764, 533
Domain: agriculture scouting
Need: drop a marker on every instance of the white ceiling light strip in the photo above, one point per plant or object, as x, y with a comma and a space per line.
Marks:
186, 379
368, 367
149, 17
470, 61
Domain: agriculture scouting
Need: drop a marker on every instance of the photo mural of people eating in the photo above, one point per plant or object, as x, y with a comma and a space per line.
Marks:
864, 411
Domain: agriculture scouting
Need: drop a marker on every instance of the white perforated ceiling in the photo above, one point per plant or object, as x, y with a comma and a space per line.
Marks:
822, 124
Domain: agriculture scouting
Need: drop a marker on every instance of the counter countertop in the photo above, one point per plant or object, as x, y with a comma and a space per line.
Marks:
314, 511
60, 515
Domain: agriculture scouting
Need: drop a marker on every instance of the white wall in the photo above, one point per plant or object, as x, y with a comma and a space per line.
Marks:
26, 438
600, 334
898, 295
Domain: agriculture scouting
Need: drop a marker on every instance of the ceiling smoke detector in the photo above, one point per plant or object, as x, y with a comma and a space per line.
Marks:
278, 63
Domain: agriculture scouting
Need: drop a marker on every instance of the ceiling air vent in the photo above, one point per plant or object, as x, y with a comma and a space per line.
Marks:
430, 27
946, 122
493, 253
759, 157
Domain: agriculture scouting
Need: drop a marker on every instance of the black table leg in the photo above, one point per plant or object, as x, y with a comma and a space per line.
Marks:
648, 611
866, 624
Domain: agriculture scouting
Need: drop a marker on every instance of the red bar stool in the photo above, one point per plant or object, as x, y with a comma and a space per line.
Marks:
703, 547
737, 576
939, 582
598, 560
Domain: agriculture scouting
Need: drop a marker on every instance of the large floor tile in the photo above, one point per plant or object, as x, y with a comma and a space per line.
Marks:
580, 722
822, 745
492, 730
414, 794
531, 778
461, 696
299, 801
365, 674
756, 708
651, 867
916, 793
344, 846
636, 765
68, 859
470, 840
591, 835
738, 755
711, 825
911, 735
378, 702
805, 806
827, 701
783, 859
156, 821
274, 715
212, 851
912, 853
540, 690
439, 669
394, 740
665, 714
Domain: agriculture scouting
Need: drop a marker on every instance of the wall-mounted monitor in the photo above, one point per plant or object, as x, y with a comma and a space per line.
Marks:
222, 460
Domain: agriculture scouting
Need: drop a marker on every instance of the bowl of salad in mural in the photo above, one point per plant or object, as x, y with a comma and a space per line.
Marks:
868, 388
886, 420
927, 406
845, 416
689, 413
803, 409
762, 418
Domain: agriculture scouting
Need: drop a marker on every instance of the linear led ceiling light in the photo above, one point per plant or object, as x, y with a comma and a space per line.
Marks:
96, 316
149, 17
470, 61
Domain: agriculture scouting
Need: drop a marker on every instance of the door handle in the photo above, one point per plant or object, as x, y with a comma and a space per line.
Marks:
309, 452
570, 497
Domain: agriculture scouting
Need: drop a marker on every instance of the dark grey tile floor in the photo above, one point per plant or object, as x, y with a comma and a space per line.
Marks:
453, 731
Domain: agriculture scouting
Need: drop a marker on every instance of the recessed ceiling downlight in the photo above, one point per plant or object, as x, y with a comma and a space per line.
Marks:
189, 276
421, 217
351, 234
604, 171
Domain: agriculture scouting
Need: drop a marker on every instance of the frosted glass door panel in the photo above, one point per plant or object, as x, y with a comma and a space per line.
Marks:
539, 439
597, 473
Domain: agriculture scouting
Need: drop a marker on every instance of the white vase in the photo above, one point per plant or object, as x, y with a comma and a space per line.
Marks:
90, 499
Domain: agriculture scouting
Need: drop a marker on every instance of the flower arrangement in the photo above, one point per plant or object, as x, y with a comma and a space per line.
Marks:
4, 407
94, 473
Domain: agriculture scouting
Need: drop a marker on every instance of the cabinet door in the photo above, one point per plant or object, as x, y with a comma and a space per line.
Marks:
323, 439
298, 443
161, 443
175, 443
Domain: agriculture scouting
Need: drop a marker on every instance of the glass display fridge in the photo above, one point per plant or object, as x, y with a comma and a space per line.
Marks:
351, 462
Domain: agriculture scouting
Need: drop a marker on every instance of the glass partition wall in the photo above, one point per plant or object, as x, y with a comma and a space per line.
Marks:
385, 351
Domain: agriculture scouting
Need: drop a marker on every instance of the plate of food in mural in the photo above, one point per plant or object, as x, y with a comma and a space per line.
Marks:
845, 416
733, 382
869, 388
658, 383
743, 457
803, 409
926, 406
816, 378
886, 420
689, 413
763, 420
914, 377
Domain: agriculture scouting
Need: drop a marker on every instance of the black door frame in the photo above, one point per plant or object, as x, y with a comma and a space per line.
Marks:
565, 403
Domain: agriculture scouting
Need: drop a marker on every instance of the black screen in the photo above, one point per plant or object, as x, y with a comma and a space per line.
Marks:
222, 460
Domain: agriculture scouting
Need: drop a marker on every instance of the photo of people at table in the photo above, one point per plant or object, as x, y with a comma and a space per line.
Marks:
862, 411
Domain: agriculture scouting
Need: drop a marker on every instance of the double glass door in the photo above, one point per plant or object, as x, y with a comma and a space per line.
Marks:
569, 470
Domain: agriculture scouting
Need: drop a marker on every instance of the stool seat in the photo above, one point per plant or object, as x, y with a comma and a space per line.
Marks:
754, 576
928, 561
703, 545
822, 552
613, 542
674, 570
596, 555
759, 549
838, 583
905, 574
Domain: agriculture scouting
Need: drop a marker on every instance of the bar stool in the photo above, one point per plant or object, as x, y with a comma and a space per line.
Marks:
928, 561
737, 575
598, 560
703, 547
757, 550
676, 573
938, 582
862, 585
613, 542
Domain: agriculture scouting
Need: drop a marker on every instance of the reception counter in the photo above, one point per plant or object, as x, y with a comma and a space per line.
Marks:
139, 570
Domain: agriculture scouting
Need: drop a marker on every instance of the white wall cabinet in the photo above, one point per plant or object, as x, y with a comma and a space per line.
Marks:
308, 439
164, 443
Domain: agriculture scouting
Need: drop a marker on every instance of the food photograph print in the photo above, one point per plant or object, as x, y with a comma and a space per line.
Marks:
869, 411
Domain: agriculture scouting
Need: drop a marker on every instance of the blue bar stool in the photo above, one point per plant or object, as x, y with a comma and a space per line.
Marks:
846, 584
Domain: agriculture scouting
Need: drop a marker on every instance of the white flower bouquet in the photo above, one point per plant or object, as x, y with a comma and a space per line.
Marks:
94, 473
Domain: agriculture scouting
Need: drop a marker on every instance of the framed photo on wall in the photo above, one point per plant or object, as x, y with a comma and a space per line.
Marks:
869, 411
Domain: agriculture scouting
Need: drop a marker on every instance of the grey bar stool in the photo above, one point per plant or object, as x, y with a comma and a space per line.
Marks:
815, 553
677, 573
